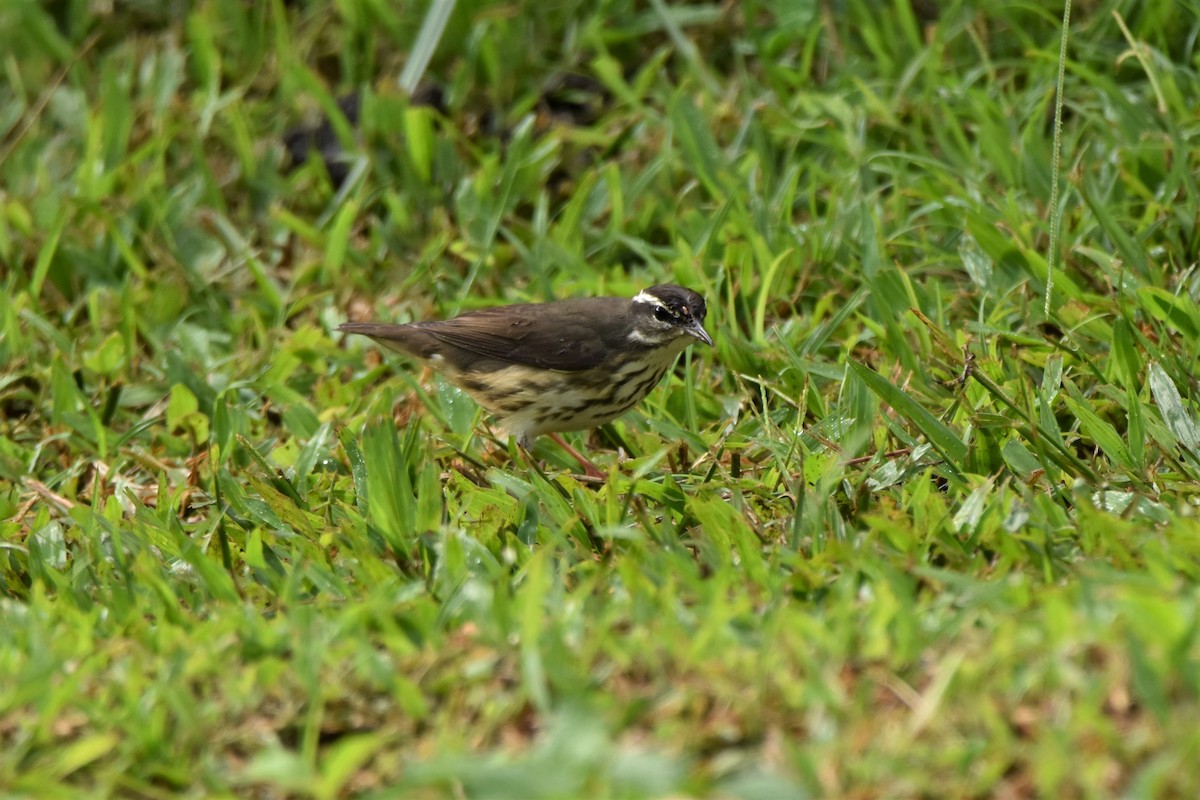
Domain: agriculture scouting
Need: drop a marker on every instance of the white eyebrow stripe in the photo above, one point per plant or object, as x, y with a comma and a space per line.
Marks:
646, 298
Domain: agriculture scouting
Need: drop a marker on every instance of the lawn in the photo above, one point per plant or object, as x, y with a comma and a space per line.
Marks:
923, 523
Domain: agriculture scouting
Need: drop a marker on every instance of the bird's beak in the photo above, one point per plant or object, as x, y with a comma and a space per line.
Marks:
697, 330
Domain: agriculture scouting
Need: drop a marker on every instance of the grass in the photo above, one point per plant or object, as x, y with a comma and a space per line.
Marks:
901, 533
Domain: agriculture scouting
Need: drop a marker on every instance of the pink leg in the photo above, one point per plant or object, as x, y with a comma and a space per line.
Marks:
589, 468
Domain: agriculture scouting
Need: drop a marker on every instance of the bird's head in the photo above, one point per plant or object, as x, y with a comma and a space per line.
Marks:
662, 315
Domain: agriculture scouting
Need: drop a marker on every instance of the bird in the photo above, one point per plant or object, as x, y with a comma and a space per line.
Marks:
564, 365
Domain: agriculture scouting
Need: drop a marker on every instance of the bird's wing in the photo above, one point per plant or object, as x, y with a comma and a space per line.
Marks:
549, 335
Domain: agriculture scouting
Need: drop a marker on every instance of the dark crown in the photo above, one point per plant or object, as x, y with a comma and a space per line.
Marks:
672, 303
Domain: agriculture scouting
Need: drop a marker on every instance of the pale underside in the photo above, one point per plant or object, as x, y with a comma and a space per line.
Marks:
530, 401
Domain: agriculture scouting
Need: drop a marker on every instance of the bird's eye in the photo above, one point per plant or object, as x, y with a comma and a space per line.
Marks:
662, 314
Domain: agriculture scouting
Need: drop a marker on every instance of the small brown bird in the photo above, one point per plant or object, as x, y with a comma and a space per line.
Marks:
567, 365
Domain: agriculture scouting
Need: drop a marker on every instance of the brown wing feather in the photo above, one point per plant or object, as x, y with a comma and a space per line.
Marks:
565, 335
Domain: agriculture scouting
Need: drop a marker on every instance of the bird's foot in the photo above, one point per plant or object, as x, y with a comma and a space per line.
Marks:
589, 469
